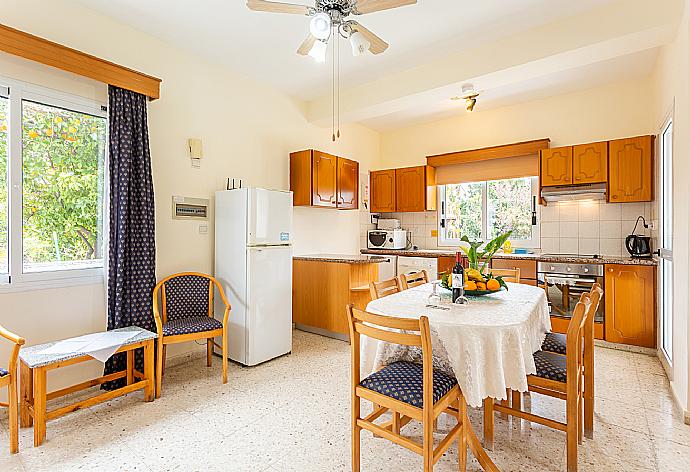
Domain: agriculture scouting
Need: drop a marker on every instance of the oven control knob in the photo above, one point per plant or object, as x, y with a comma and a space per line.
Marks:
569, 269
586, 270
552, 268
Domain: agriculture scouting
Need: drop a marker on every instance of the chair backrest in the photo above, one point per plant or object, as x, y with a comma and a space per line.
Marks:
595, 295
575, 337
414, 279
18, 343
394, 330
508, 275
185, 295
384, 288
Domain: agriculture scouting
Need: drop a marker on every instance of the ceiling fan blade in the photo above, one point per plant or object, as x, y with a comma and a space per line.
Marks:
306, 45
378, 45
278, 7
370, 6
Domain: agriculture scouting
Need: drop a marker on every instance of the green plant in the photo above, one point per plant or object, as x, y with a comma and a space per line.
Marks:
478, 252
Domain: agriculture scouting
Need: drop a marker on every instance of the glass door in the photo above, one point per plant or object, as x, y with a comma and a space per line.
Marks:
666, 240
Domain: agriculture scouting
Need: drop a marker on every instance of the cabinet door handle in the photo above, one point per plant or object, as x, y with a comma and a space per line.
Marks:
610, 270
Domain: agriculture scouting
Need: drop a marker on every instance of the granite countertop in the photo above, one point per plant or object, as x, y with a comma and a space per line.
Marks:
344, 258
534, 257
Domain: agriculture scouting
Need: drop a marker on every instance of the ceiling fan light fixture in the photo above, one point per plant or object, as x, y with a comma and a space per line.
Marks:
318, 51
360, 44
470, 102
320, 26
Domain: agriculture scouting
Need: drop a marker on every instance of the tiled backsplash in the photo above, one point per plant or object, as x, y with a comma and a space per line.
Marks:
586, 227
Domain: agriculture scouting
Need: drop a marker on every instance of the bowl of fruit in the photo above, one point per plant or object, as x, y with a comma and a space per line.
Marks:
476, 283
478, 278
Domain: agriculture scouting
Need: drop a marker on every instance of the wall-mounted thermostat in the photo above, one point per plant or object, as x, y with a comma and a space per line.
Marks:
187, 208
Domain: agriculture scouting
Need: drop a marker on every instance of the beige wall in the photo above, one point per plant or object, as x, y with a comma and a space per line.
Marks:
608, 111
247, 129
670, 86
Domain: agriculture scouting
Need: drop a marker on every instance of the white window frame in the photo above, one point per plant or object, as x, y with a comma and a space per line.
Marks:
533, 242
665, 185
18, 280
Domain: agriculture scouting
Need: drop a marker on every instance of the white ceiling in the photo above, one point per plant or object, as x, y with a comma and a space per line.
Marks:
258, 44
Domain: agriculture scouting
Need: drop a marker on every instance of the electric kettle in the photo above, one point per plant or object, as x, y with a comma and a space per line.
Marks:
639, 245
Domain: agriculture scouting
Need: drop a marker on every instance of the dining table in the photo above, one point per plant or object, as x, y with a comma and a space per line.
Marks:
487, 343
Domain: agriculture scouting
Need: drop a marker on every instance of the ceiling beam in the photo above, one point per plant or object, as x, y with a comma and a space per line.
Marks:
52, 54
613, 30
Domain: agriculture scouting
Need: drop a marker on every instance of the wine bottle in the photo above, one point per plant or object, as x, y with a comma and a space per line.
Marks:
458, 278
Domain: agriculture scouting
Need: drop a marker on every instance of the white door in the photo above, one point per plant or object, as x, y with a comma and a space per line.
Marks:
270, 217
269, 297
666, 241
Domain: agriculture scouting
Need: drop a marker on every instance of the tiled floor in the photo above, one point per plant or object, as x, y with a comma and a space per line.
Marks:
292, 414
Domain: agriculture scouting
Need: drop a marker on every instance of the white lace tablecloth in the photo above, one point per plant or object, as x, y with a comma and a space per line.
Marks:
487, 344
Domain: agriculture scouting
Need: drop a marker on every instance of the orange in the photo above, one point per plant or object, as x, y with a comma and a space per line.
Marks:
481, 286
470, 286
493, 285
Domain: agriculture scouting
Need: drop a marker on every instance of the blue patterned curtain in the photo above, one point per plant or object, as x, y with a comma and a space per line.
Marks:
132, 251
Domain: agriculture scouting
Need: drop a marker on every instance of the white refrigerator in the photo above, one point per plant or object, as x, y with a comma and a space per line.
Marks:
254, 266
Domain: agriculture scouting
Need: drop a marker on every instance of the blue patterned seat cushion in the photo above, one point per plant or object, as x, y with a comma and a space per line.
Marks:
403, 381
186, 296
550, 366
194, 324
3, 372
554, 342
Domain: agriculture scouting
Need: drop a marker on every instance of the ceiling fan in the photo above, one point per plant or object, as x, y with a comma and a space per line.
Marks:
329, 17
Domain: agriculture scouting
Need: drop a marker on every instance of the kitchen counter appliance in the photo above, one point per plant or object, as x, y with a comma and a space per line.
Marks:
639, 245
387, 239
564, 283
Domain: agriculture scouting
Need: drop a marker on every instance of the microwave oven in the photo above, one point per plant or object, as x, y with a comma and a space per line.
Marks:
387, 239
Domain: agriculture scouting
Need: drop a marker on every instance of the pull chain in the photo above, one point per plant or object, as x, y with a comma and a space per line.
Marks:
333, 91
338, 42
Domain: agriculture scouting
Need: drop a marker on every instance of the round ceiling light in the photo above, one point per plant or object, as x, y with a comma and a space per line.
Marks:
320, 26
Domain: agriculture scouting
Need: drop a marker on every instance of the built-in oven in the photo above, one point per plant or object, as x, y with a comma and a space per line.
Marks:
564, 283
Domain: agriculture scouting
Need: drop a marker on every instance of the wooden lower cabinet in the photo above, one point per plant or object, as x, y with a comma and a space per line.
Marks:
445, 265
322, 290
630, 298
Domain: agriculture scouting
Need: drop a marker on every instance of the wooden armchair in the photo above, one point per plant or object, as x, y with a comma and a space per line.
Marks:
414, 279
559, 377
9, 378
509, 275
187, 315
384, 288
409, 391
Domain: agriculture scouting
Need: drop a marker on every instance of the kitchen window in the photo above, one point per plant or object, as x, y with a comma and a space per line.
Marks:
52, 162
483, 210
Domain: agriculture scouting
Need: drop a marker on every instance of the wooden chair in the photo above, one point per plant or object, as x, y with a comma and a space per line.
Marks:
413, 279
560, 377
557, 343
509, 275
9, 378
384, 288
409, 391
187, 315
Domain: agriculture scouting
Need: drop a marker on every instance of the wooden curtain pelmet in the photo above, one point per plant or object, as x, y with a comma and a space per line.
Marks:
507, 161
52, 54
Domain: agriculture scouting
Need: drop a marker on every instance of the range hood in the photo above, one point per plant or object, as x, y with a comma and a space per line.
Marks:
574, 192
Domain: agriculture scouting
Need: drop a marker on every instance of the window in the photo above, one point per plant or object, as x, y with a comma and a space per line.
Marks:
484, 210
666, 239
51, 217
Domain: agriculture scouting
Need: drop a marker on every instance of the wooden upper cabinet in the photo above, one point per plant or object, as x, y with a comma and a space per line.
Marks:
321, 179
348, 184
590, 163
630, 169
630, 304
383, 191
415, 189
556, 166
324, 178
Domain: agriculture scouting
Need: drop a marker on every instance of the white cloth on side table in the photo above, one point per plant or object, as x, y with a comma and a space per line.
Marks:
488, 344
100, 346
